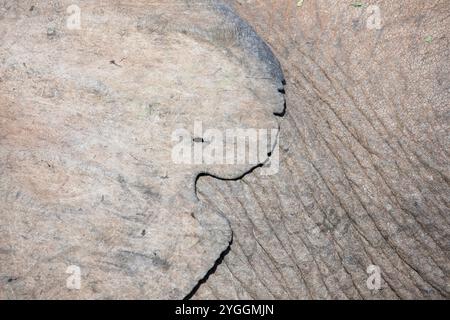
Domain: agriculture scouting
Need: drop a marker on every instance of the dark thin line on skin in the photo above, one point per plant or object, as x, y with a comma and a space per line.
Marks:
255, 46
211, 271
239, 177
206, 174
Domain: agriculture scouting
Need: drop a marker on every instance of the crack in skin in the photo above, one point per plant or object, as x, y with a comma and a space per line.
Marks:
210, 271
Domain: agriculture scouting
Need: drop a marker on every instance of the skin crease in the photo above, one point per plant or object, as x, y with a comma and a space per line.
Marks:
363, 177
86, 118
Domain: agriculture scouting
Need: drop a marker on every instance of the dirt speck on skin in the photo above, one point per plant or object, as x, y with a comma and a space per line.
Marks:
51, 33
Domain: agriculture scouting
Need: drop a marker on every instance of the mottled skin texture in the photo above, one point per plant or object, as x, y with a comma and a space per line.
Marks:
364, 174
365, 158
86, 117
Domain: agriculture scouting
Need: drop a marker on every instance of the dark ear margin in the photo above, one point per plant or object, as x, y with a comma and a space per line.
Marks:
229, 32
248, 40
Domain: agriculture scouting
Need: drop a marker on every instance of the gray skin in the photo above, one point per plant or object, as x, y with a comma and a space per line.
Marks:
87, 116
364, 149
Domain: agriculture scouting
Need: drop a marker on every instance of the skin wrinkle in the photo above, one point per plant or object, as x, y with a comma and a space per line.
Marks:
330, 150
357, 141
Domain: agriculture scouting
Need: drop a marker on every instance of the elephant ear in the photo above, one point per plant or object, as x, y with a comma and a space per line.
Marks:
94, 203
364, 170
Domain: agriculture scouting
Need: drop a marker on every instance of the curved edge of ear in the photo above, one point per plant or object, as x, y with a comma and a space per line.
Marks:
251, 42
253, 50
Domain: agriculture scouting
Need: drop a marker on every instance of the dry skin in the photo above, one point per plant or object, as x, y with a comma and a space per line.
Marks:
87, 178
86, 146
364, 174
